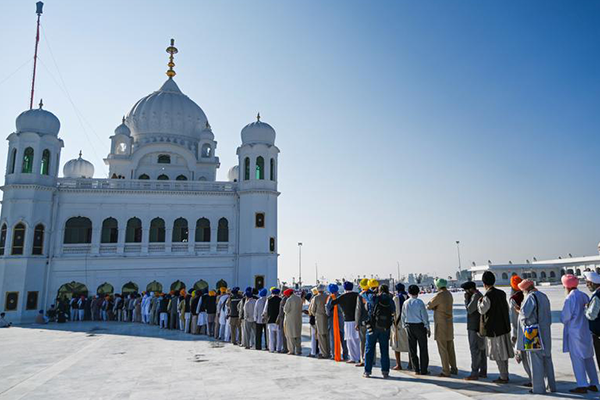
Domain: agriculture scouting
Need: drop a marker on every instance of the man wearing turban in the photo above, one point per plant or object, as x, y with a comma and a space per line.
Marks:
222, 314
536, 310
233, 315
249, 323
314, 345
271, 313
515, 302
476, 342
317, 309
441, 304
347, 302
577, 340
399, 340
292, 323
260, 320
592, 310
361, 316
495, 325
337, 343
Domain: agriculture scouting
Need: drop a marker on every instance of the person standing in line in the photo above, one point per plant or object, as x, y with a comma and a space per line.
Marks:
442, 304
163, 312
415, 320
312, 322
95, 309
81, 308
270, 313
211, 312
234, 315
399, 340
347, 302
172, 307
196, 297
73, 304
515, 302
154, 309
222, 314
281, 332
292, 323
592, 310
476, 341
577, 340
131, 308
337, 344
495, 325
184, 311
146, 308
260, 320
361, 316
249, 335
317, 309
380, 306
202, 322
536, 310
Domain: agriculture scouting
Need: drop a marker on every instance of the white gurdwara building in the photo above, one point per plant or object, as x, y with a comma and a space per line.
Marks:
159, 222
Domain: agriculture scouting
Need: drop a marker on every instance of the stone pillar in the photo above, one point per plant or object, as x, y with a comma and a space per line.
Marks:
121, 241
145, 240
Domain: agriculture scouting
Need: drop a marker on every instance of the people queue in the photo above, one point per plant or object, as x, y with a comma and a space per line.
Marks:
348, 326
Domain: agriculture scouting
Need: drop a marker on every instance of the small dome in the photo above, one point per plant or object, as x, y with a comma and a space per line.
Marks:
258, 132
234, 174
38, 121
123, 129
207, 133
78, 168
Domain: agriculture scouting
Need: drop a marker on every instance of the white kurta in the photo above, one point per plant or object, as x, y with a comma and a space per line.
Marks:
577, 338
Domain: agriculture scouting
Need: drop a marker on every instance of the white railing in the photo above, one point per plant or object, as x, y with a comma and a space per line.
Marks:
222, 247
133, 248
202, 247
156, 248
76, 248
136, 184
179, 247
108, 249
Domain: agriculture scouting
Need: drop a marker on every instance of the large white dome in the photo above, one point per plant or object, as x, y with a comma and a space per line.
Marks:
166, 112
258, 132
78, 168
38, 121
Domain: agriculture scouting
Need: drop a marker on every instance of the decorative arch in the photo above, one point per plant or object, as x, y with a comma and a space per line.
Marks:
543, 275
155, 287
206, 151
201, 285
133, 232
247, 169
260, 167
157, 230
78, 230
504, 276
223, 230
110, 231
163, 177
45, 166
181, 178
68, 290
143, 177
221, 283
552, 274
202, 230
164, 159
534, 274
105, 288
130, 288
177, 286
27, 161
180, 230
38, 240
18, 242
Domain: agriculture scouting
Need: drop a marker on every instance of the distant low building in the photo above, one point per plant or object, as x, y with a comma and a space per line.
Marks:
539, 271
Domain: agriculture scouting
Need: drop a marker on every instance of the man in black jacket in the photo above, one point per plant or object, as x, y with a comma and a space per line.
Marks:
233, 315
476, 341
347, 302
275, 341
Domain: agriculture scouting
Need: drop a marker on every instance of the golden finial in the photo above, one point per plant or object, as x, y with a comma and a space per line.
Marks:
123, 120
258, 117
41, 104
171, 50
80, 153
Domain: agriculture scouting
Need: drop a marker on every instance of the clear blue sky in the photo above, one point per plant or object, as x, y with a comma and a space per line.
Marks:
403, 125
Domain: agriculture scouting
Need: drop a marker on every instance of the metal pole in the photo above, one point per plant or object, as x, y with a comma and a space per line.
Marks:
299, 264
39, 6
458, 250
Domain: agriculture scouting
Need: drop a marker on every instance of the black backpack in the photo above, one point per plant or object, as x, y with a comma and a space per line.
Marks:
382, 317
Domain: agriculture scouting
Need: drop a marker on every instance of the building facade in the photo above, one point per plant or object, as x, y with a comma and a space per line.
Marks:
160, 221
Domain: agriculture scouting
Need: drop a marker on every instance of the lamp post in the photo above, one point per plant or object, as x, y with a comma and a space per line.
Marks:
458, 251
299, 264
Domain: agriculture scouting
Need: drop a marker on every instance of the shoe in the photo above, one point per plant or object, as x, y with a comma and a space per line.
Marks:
592, 388
579, 390
528, 384
483, 376
360, 364
423, 373
351, 362
442, 375
397, 368
366, 375
454, 372
500, 381
471, 378
385, 375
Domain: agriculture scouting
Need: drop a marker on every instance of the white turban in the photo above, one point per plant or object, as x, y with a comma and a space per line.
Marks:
592, 277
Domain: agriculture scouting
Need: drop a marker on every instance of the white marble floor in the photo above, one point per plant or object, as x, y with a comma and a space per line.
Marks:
91, 360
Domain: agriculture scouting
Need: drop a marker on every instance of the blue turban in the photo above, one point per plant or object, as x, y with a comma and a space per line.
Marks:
263, 292
248, 292
333, 288
275, 291
235, 290
400, 287
308, 296
348, 286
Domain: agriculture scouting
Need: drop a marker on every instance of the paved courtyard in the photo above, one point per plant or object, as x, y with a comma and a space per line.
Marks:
91, 360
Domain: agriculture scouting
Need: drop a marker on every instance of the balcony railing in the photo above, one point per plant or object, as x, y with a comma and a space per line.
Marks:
135, 184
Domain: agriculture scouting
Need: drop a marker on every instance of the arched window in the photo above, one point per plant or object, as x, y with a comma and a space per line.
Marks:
110, 231
164, 159
13, 160
260, 168
27, 161
157, 230
105, 288
533, 274
272, 175
246, 169
206, 150
577, 272
223, 230
504, 276
177, 286
38, 240
45, 168
3, 239
202, 178
133, 234
201, 285
203, 230
18, 240
543, 274
180, 230
221, 283
129, 288
181, 178
163, 177
155, 287
552, 274
68, 290
144, 177
78, 230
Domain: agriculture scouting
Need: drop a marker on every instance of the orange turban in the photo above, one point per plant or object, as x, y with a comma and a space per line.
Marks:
223, 289
514, 282
182, 292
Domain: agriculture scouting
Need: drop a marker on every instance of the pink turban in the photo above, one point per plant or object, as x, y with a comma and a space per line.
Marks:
569, 281
526, 284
